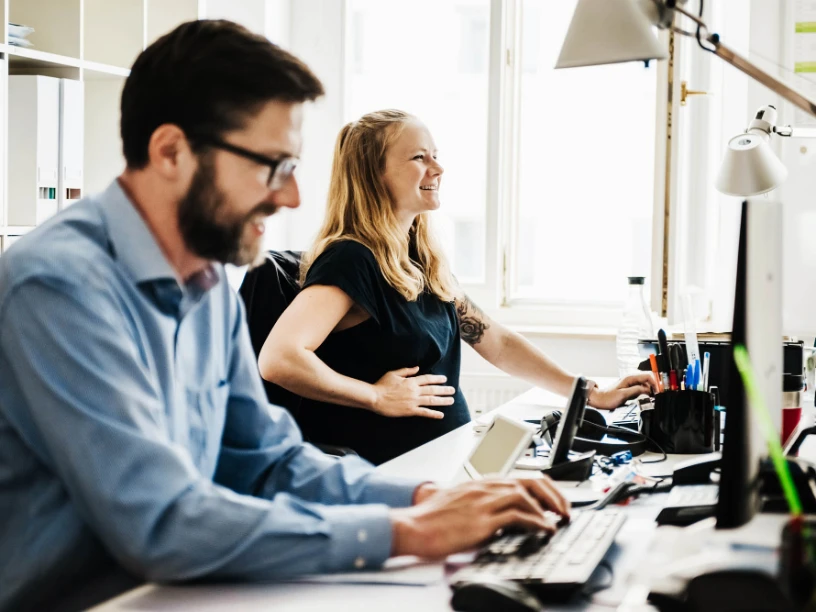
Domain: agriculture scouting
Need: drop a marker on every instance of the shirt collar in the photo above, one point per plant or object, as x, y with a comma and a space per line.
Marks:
136, 249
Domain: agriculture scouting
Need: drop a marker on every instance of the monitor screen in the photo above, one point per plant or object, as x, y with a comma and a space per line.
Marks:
499, 448
569, 423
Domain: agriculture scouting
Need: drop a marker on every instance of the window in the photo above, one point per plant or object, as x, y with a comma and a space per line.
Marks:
554, 186
585, 171
434, 65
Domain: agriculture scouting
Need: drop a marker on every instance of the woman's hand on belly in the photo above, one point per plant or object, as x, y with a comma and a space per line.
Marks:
402, 394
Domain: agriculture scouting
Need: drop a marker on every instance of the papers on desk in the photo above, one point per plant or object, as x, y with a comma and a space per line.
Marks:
405, 571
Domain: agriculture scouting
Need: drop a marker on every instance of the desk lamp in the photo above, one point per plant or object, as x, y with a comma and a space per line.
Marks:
750, 167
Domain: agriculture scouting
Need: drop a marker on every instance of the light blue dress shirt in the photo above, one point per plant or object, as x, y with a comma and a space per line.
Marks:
134, 426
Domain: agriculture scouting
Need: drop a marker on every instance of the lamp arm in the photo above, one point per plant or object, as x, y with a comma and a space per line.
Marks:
795, 132
756, 73
744, 65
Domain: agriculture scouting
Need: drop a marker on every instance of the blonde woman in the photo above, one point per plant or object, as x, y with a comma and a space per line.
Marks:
372, 341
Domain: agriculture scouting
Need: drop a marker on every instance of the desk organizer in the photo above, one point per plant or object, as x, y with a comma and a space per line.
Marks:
681, 422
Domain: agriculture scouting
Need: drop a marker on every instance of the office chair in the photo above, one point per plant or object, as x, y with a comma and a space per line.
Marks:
267, 290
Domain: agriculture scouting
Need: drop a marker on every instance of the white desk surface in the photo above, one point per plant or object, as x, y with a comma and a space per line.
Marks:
438, 460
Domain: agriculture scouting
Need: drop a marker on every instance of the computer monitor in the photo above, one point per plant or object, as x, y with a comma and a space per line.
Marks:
560, 465
569, 423
498, 450
758, 326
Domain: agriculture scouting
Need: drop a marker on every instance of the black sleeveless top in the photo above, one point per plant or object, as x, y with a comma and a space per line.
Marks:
399, 334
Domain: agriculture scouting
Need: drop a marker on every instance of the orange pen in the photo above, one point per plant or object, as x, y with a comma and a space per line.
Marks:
653, 361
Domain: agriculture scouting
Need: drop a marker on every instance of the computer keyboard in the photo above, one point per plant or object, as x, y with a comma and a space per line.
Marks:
627, 416
548, 564
688, 504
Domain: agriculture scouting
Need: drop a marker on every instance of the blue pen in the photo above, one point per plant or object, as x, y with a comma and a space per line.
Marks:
689, 376
696, 374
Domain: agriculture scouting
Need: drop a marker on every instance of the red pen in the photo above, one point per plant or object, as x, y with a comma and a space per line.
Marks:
673, 380
653, 361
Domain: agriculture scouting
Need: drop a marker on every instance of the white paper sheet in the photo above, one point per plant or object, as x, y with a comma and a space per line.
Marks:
406, 571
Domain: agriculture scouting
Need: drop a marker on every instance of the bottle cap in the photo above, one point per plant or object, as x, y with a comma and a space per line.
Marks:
637, 280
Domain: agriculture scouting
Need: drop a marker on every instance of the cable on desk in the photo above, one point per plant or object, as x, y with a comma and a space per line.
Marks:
542, 431
663, 458
604, 464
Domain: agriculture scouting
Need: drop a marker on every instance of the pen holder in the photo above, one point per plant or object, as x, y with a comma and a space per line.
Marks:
681, 422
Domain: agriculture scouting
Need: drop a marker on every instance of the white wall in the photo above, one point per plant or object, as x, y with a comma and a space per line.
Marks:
317, 37
797, 195
103, 147
249, 13
591, 355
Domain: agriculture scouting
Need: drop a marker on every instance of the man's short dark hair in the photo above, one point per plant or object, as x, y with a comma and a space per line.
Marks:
207, 77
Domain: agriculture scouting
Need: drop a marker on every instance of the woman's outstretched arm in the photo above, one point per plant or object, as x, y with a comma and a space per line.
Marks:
514, 354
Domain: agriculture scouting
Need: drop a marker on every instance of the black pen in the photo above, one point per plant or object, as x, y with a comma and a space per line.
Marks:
665, 366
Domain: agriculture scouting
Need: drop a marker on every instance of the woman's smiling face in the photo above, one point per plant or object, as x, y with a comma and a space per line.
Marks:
412, 172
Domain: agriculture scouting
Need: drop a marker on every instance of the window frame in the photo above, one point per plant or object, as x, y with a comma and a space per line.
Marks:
504, 110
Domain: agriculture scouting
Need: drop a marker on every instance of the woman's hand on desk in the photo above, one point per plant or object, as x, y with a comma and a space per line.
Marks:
457, 519
626, 389
401, 394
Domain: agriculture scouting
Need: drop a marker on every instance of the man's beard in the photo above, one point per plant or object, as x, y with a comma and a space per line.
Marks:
207, 228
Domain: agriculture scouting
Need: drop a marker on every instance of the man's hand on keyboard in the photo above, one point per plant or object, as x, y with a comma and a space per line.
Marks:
462, 517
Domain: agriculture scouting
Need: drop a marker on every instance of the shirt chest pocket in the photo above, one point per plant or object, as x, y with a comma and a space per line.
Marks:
206, 412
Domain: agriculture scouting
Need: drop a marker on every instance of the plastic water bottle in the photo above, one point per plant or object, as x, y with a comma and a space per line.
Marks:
636, 324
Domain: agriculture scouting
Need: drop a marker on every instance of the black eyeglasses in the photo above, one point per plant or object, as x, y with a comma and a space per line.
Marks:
275, 172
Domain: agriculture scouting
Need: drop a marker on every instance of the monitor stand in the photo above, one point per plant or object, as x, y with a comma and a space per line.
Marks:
578, 467
706, 569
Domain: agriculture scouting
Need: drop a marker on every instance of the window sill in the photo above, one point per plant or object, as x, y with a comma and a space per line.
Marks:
563, 331
558, 323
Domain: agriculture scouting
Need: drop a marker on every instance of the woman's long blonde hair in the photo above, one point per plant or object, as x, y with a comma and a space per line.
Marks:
360, 208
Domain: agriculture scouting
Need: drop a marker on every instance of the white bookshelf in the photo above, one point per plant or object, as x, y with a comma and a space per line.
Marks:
90, 41
95, 42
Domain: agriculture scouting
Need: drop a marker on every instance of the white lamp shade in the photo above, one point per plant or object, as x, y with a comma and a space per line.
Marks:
610, 32
750, 167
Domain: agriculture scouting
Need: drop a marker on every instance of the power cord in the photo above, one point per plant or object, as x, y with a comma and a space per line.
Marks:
699, 40
541, 431
714, 38
624, 429
660, 448
604, 464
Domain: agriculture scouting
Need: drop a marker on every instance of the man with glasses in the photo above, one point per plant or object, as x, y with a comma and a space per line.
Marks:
135, 438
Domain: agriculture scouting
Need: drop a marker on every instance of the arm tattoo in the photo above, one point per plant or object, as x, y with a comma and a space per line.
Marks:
471, 323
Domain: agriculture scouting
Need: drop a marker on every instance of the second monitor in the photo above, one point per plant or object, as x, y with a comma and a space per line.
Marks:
560, 464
